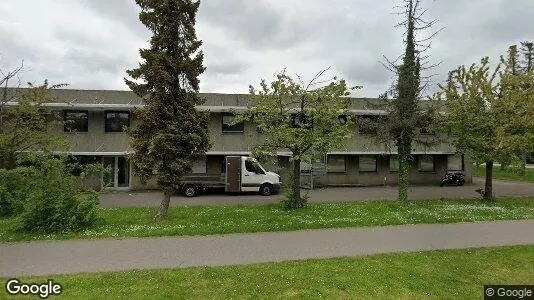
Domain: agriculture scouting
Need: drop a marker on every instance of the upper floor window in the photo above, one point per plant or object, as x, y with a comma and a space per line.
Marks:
301, 120
117, 120
367, 124
76, 121
227, 126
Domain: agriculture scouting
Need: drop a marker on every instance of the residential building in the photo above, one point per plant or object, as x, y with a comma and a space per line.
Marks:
95, 120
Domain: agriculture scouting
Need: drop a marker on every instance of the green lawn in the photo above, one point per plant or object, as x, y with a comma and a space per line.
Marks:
508, 174
451, 274
137, 222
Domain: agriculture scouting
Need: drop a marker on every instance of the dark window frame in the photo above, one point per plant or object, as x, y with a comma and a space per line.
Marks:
390, 158
106, 123
370, 129
344, 164
228, 128
425, 131
462, 160
433, 163
66, 126
365, 171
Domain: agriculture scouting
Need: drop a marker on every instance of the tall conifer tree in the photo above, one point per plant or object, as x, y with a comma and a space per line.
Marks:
169, 133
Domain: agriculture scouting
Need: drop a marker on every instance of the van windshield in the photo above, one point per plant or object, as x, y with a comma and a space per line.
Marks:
254, 166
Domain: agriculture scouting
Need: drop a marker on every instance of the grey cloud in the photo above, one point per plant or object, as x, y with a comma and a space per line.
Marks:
258, 24
121, 11
245, 40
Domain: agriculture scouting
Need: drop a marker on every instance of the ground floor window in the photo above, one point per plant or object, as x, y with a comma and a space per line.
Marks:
455, 162
367, 163
199, 167
335, 164
394, 163
426, 163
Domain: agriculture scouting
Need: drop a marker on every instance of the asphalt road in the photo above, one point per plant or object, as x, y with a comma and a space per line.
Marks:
153, 198
75, 256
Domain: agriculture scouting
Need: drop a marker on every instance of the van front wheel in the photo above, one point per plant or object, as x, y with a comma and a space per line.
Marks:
190, 190
266, 189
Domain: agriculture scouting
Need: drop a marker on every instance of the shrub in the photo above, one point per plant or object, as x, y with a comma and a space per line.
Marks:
46, 198
14, 187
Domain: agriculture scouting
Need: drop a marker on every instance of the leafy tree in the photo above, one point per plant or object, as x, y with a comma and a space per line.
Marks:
301, 118
170, 134
30, 125
471, 96
515, 107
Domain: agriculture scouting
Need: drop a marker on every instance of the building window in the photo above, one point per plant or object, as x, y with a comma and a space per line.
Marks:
305, 167
342, 119
394, 163
302, 121
76, 121
426, 163
367, 124
117, 120
425, 131
368, 163
455, 163
199, 167
228, 127
335, 164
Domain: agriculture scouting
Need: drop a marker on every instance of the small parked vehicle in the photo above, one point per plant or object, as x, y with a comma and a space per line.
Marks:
456, 178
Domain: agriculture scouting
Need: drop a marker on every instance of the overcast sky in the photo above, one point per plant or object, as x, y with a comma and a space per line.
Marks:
90, 43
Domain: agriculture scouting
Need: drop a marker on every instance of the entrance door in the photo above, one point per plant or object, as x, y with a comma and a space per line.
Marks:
119, 175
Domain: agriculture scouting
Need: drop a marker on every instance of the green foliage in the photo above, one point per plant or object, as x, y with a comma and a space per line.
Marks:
14, 187
169, 134
45, 197
28, 126
471, 95
206, 220
515, 107
303, 120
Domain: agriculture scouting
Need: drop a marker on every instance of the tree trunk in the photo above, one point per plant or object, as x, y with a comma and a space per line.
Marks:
292, 199
523, 164
164, 206
404, 148
296, 185
488, 191
403, 180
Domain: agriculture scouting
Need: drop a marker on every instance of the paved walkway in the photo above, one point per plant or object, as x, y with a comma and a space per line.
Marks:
500, 188
62, 257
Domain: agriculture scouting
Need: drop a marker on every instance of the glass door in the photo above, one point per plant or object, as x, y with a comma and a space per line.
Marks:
123, 172
119, 172
109, 177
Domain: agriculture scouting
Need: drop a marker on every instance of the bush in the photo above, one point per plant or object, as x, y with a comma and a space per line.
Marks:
46, 198
14, 187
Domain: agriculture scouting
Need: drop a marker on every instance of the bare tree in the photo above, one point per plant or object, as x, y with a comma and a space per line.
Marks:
405, 112
5, 77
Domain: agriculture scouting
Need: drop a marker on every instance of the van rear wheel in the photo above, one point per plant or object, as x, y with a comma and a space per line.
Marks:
266, 189
189, 190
